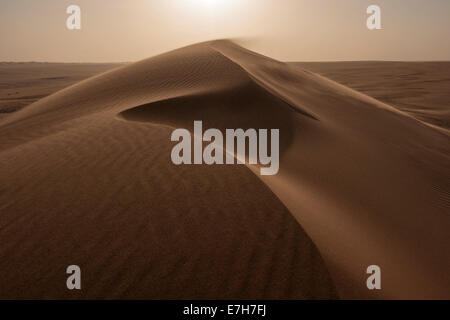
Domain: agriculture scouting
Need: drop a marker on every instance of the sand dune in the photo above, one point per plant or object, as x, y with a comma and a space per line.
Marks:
88, 180
24, 83
418, 88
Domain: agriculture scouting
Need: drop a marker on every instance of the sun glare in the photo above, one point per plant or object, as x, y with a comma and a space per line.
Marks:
210, 4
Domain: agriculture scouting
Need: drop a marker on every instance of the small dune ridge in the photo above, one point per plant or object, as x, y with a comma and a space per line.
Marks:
90, 180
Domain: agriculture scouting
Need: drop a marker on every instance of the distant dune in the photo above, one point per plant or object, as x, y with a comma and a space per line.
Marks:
421, 89
87, 180
22, 83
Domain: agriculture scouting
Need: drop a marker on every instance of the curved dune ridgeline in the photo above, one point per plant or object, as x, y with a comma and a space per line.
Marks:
88, 180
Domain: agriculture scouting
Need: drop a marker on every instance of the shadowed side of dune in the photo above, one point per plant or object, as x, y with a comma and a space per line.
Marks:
246, 106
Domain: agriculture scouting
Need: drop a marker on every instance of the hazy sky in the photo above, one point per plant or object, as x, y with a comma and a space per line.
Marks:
294, 30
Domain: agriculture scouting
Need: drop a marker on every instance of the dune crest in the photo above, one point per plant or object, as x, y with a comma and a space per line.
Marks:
366, 182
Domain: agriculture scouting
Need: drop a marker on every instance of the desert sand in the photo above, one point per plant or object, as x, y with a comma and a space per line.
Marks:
420, 89
87, 180
22, 83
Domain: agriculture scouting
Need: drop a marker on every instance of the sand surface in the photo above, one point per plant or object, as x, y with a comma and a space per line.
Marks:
22, 83
421, 89
87, 180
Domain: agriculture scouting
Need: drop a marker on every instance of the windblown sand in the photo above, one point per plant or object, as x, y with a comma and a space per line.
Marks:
87, 179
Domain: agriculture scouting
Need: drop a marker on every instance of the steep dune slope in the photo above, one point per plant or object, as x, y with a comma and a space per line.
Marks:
371, 178
89, 178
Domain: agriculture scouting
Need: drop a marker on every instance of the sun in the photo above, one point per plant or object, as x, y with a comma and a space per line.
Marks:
205, 9
209, 1
211, 4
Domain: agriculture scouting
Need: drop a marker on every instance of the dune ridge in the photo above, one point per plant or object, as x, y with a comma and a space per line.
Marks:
366, 182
